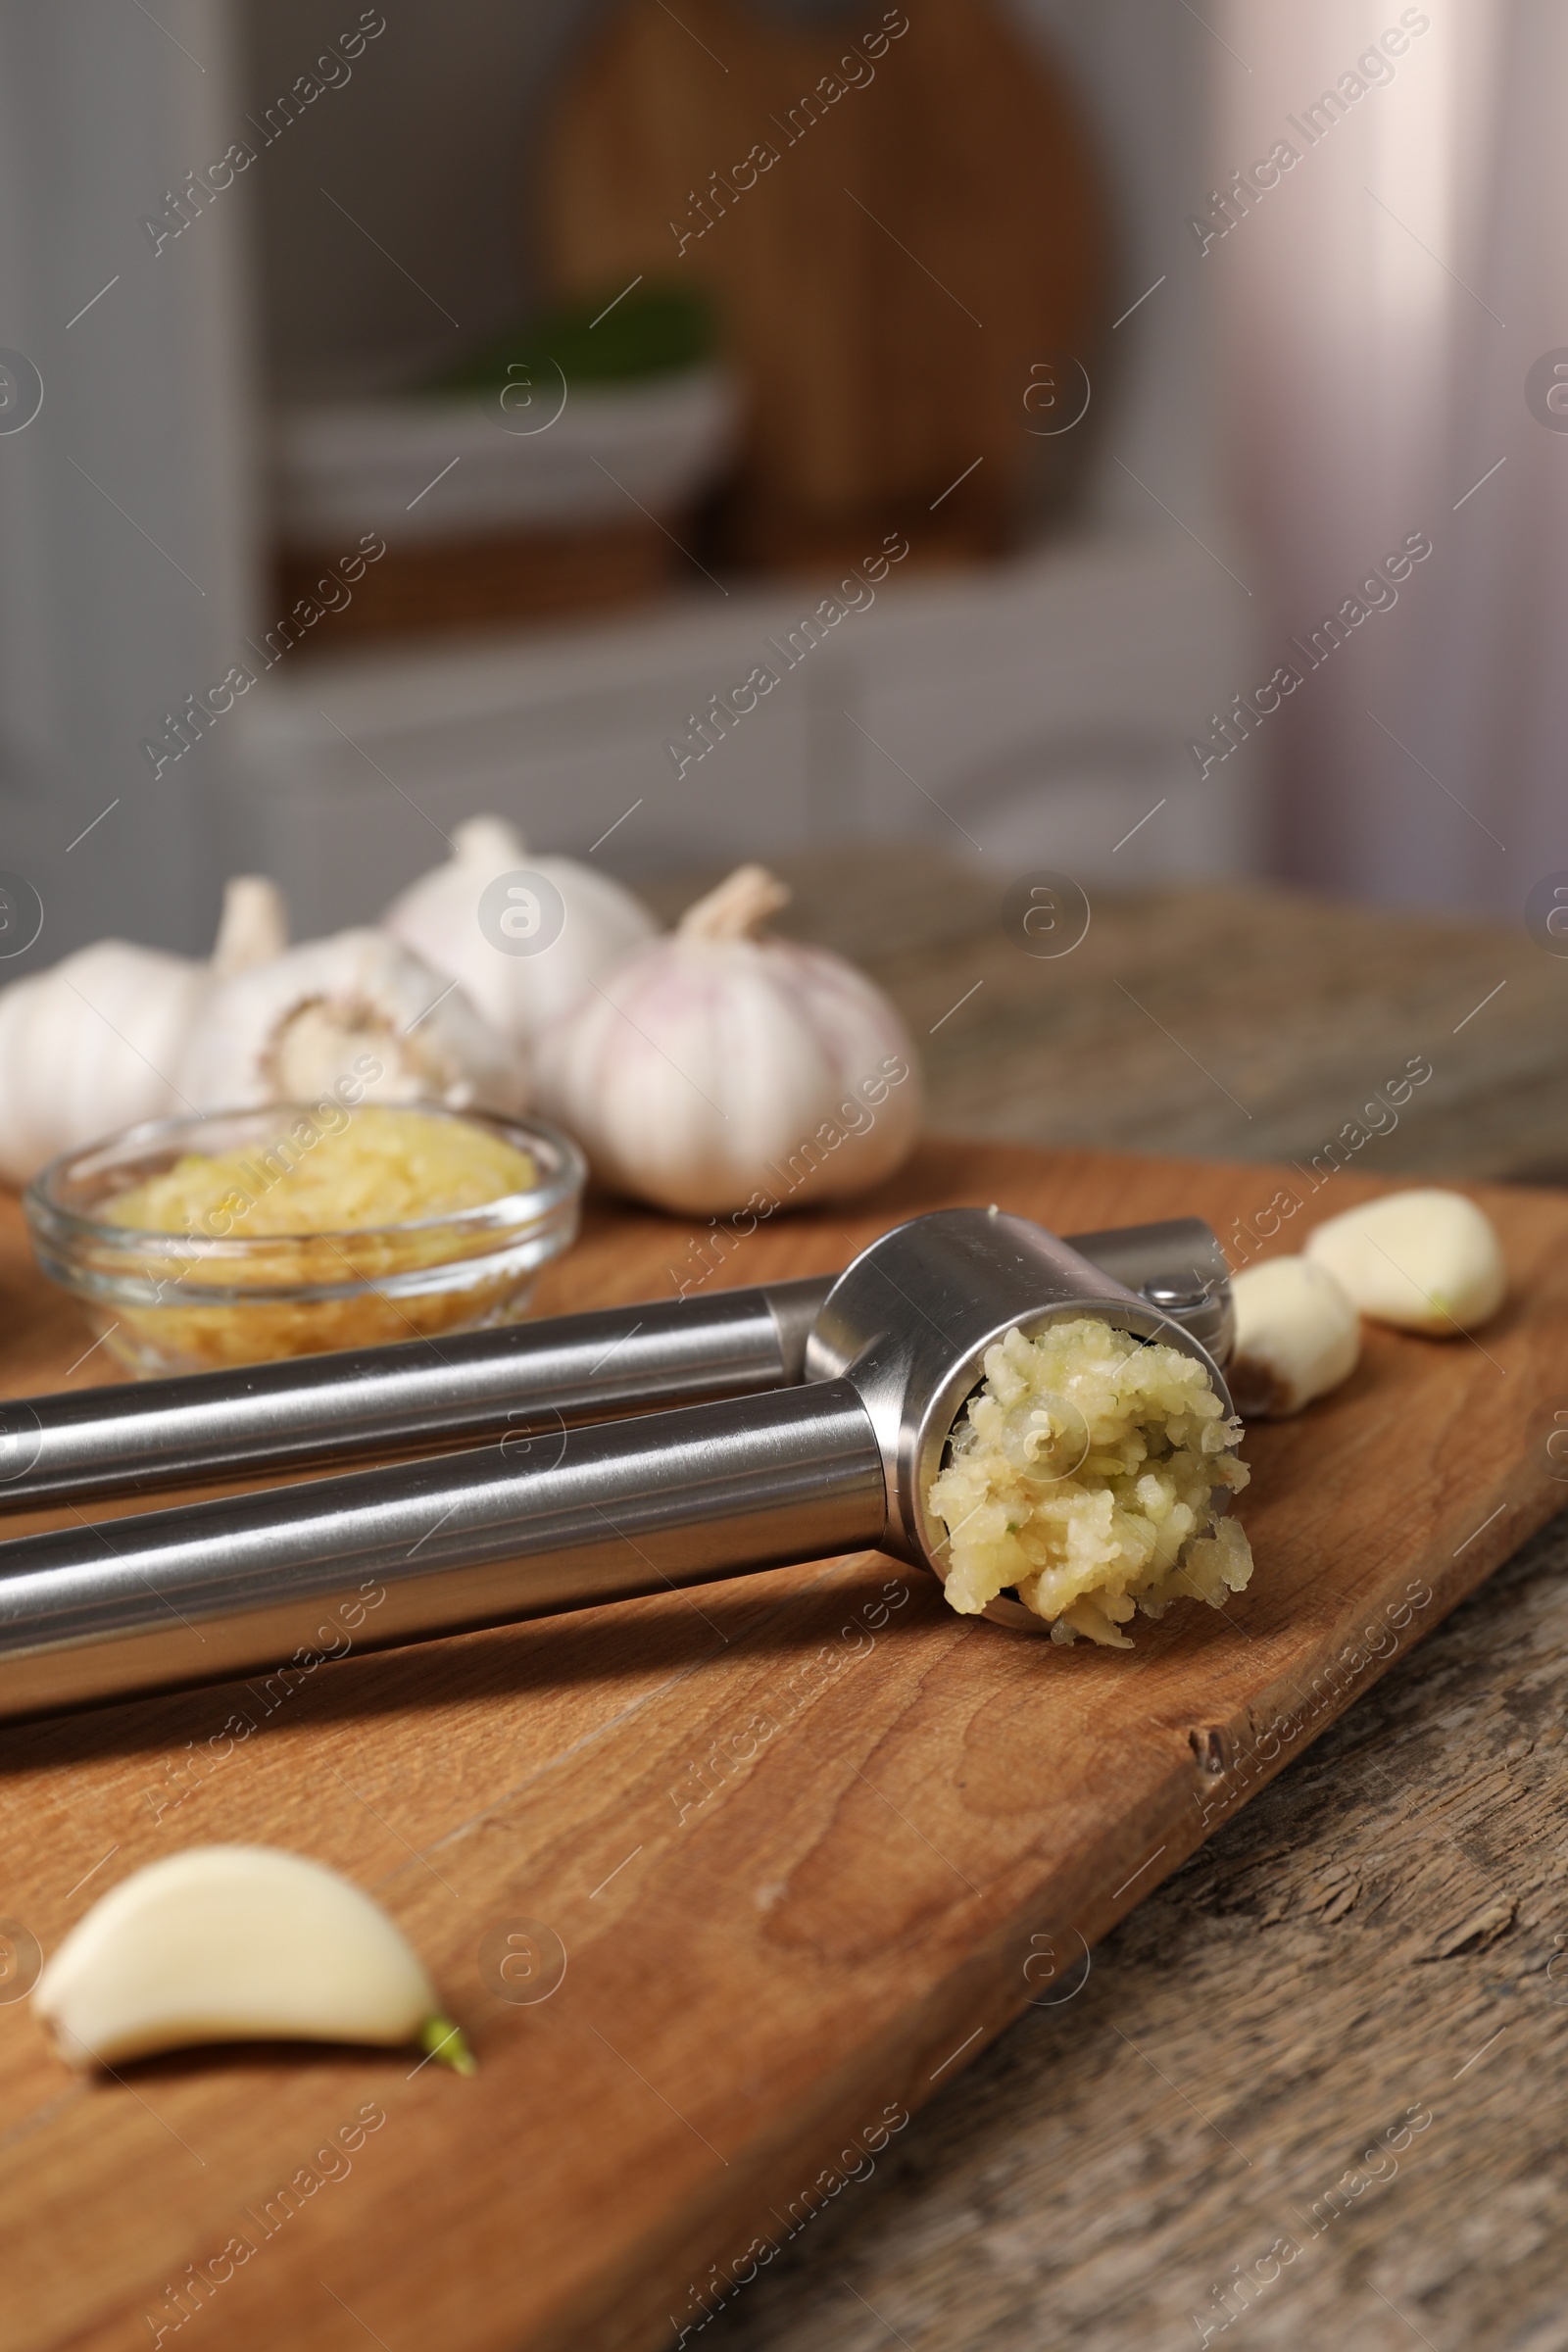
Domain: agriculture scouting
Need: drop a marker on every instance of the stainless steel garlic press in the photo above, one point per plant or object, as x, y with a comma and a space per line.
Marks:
835, 1401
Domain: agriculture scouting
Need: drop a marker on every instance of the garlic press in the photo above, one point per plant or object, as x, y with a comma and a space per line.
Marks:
834, 1426
311, 1411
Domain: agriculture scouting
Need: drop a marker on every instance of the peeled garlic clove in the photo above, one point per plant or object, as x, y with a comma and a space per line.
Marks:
236, 1944
95, 1043
717, 1070
1426, 1260
439, 918
1298, 1334
357, 1005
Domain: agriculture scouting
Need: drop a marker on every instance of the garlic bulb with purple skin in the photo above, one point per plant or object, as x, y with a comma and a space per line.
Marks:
718, 1069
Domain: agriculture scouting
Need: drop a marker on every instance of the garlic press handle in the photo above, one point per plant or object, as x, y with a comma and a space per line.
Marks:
553, 1373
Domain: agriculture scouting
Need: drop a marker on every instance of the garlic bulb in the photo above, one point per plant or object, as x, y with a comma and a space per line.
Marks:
236, 1944
95, 1043
520, 968
1427, 1261
1298, 1334
716, 1070
290, 1030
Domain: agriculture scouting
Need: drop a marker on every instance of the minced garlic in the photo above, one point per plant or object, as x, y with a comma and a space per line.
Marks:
379, 1167
330, 1230
1084, 1476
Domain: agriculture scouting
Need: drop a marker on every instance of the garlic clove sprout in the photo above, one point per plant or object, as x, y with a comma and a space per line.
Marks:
1298, 1334
236, 1944
717, 1070
440, 917
357, 1005
1426, 1260
94, 1044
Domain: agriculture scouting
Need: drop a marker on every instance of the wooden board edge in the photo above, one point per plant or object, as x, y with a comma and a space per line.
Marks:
916, 2056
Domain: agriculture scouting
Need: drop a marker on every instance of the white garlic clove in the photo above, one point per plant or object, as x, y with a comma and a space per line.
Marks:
1427, 1261
1298, 1334
236, 1944
357, 1005
717, 1070
520, 995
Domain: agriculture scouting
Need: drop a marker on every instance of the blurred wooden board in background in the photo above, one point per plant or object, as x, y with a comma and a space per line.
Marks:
807, 1842
898, 217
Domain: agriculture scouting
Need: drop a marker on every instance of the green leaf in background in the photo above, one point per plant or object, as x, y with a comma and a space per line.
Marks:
657, 330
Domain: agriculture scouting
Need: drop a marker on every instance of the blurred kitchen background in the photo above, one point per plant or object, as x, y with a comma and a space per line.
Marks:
630, 352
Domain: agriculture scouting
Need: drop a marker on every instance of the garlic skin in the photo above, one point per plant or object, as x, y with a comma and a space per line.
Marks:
234, 1943
713, 1067
94, 1044
438, 918
1427, 1261
1298, 1334
290, 1030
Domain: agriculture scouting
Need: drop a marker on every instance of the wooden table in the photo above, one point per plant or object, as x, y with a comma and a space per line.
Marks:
1224, 1023
1352, 2140
1386, 1927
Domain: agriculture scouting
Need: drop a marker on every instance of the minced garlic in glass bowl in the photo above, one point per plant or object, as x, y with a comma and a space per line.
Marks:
198, 1244
381, 1167
1088, 1475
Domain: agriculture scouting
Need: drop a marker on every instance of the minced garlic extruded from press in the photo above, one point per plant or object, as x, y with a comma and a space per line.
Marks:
1084, 1474
381, 1167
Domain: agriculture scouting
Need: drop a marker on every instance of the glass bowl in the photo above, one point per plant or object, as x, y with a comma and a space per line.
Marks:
200, 1302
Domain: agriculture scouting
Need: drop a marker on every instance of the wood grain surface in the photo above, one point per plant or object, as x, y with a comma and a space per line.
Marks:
1385, 1927
807, 1841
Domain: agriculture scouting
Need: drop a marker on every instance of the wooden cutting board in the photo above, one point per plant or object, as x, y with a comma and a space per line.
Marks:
807, 1842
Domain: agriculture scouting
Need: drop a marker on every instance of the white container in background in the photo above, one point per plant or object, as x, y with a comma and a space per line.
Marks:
456, 467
